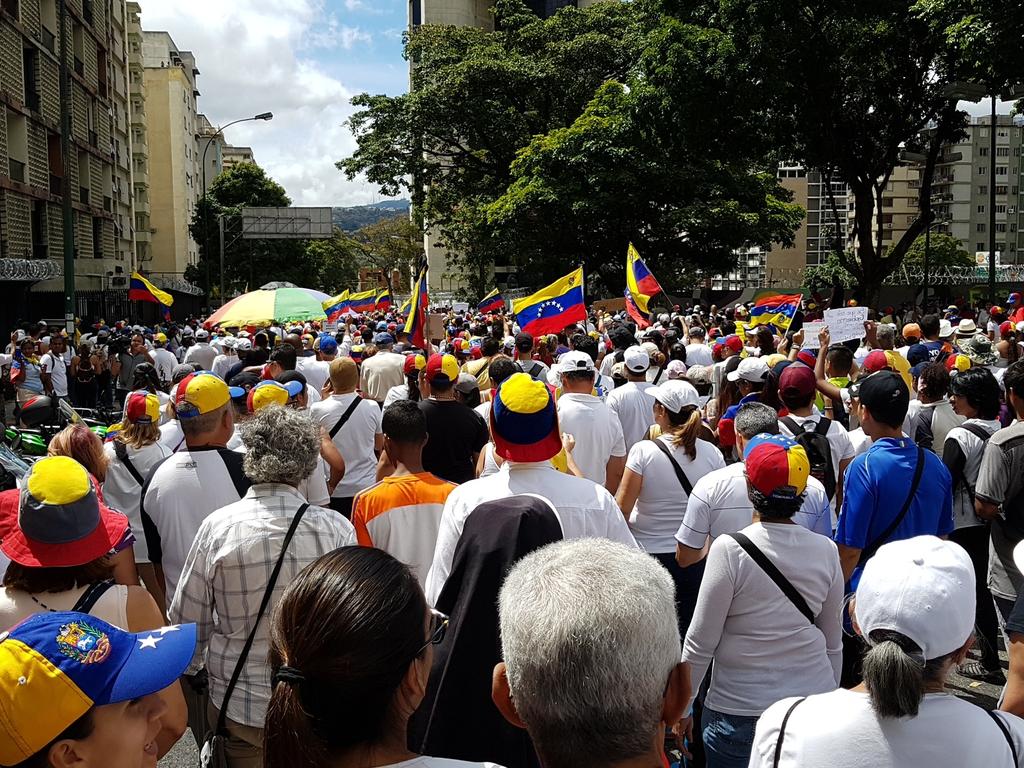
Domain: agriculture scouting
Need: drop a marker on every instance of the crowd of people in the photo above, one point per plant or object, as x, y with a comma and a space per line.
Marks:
702, 541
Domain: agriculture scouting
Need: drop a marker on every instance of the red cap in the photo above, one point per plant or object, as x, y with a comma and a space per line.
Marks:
734, 342
796, 381
442, 368
414, 363
1005, 327
876, 361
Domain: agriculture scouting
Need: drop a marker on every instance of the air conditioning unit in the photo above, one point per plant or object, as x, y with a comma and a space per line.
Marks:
1011, 209
118, 282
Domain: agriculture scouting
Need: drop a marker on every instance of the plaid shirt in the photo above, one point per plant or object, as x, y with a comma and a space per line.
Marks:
225, 576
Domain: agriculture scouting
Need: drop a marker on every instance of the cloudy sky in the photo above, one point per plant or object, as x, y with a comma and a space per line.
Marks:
300, 59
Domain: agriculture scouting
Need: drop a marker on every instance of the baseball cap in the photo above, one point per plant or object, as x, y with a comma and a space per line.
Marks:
243, 345
55, 667
636, 359
575, 362
442, 369
922, 588
272, 393
911, 331
57, 519
1013, 299
734, 342
524, 420
676, 369
675, 395
414, 363
918, 353
750, 369
383, 338
328, 345
1005, 327
777, 466
241, 383
160, 338
957, 363
200, 393
796, 381
876, 361
141, 407
701, 374
885, 394
202, 333
466, 383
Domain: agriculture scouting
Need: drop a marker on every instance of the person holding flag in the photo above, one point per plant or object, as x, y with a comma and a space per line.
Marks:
416, 320
493, 302
552, 309
641, 287
140, 289
336, 306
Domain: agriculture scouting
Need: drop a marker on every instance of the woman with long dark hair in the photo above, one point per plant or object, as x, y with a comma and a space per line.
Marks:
351, 647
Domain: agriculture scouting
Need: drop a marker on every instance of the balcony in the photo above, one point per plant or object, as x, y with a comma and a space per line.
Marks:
17, 169
140, 147
49, 40
134, 88
140, 178
142, 205
143, 236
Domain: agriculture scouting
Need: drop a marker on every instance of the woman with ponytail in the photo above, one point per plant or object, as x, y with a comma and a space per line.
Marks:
915, 608
351, 648
1008, 345
658, 479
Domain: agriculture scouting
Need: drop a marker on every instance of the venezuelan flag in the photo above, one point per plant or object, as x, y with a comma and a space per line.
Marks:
641, 283
493, 302
361, 303
551, 309
634, 311
406, 307
335, 307
775, 311
416, 322
140, 289
383, 301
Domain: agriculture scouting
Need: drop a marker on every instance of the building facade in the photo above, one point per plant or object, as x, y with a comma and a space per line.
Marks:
171, 125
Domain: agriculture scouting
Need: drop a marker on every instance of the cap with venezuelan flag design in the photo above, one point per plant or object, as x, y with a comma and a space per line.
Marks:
200, 393
55, 667
777, 466
524, 420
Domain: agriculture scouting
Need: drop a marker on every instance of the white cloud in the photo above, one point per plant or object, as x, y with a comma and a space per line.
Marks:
254, 56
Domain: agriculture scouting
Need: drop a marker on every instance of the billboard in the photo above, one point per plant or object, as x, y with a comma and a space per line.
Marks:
287, 224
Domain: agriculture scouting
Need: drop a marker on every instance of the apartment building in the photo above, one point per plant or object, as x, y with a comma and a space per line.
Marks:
35, 175
171, 126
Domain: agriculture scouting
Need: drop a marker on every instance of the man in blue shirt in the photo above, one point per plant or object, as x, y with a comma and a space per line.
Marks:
878, 484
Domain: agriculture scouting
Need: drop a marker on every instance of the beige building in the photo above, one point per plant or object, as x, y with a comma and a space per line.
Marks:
232, 156
171, 124
219, 156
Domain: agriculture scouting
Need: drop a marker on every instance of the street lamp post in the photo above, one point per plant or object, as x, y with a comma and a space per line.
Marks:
992, 205
206, 233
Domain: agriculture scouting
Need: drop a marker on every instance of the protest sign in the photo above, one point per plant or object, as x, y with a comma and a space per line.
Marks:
846, 323
811, 334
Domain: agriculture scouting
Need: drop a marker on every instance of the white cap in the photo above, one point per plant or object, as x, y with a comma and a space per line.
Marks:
202, 333
945, 329
675, 395
573, 362
636, 360
243, 344
675, 369
650, 348
187, 331
922, 588
750, 369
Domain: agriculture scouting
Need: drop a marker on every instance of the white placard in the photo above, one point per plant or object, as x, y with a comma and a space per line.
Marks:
846, 323
811, 334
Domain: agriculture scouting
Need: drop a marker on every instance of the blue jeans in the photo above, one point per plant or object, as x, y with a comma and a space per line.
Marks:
728, 739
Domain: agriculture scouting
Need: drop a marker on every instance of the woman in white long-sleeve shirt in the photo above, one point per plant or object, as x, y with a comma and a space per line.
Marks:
764, 645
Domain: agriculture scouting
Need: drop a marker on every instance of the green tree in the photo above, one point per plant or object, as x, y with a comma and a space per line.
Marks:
390, 245
335, 264
248, 264
943, 251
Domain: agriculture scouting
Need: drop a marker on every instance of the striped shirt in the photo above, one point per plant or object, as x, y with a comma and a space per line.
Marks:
401, 515
227, 572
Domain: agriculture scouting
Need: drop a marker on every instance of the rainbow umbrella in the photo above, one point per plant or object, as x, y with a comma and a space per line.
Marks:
263, 307
318, 295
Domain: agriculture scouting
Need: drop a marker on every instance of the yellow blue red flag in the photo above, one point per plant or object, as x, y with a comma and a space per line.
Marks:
492, 302
335, 307
553, 308
416, 322
641, 283
775, 311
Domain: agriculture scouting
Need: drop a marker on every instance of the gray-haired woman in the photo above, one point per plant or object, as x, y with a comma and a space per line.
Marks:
234, 552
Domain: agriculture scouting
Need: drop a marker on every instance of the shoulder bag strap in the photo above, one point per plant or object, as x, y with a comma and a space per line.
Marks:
978, 431
774, 574
869, 551
121, 451
1006, 734
782, 731
657, 376
680, 475
240, 664
91, 596
823, 425
345, 416
792, 426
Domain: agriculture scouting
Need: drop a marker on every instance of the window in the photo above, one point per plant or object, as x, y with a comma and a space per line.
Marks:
981, 247
1002, 133
1014, 190
887, 202
983, 132
1000, 189
983, 189
979, 227
11, 6
1002, 151
983, 170
982, 151
981, 209
1000, 208
17, 146
1000, 170
1000, 227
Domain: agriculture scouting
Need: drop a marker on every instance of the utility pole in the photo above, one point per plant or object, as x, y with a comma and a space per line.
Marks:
65, 149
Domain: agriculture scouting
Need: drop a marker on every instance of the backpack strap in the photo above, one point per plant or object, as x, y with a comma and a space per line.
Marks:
774, 574
121, 451
91, 596
782, 731
978, 431
1006, 734
345, 417
822, 426
868, 552
680, 474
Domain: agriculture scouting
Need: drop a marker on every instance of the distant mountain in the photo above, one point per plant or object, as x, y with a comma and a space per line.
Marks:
351, 218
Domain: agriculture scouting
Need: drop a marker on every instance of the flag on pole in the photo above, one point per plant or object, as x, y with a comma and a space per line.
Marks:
551, 309
634, 312
416, 322
641, 283
361, 303
383, 301
406, 307
335, 307
140, 289
775, 311
492, 302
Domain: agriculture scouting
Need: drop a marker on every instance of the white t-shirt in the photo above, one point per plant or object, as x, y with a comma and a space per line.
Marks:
121, 491
597, 430
222, 364
635, 409
763, 647
164, 362
202, 354
720, 504
838, 440
401, 392
662, 501
698, 354
54, 365
316, 371
172, 436
355, 440
841, 730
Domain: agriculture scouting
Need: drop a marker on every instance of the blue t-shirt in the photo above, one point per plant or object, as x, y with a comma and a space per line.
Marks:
876, 487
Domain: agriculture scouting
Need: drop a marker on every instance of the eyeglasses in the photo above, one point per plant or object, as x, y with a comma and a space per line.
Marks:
438, 628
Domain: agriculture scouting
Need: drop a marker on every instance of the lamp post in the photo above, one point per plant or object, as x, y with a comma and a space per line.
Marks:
206, 234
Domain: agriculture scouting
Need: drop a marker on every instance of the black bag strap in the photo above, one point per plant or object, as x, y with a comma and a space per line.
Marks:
1006, 734
680, 475
774, 574
792, 426
345, 416
222, 718
657, 376
823, 425
91, 596
121, 451
978, 431
782, 731
868, 552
